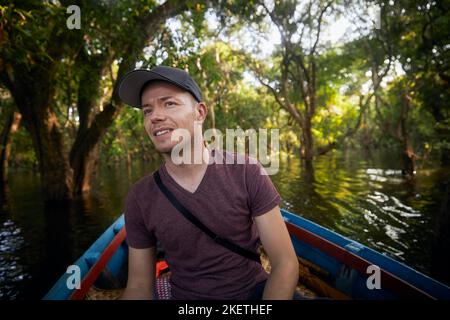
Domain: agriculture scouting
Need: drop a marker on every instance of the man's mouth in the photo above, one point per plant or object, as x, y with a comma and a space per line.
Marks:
161, 132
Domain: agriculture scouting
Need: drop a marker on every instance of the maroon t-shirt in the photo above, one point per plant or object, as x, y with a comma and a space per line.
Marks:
226, 200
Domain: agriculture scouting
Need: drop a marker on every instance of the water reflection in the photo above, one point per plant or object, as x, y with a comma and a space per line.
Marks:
12, 273
53, 235
365, 199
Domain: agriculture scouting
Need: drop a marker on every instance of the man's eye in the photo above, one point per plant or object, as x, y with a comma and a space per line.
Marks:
147, 111
170, 103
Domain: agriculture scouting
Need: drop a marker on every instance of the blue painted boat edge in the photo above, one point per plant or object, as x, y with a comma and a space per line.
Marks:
402, 271
60, 291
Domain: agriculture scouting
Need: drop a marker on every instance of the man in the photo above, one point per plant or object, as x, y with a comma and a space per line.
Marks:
236, 201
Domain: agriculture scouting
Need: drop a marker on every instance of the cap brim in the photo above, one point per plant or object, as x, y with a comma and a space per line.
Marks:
131, 85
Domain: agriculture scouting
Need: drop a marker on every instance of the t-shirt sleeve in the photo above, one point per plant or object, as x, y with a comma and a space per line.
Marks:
138, 236
263, 196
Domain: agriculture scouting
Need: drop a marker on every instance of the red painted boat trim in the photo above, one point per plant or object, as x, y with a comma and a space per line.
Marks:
99, 266
393, 283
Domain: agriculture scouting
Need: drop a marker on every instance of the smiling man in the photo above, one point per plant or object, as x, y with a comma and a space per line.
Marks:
237, 202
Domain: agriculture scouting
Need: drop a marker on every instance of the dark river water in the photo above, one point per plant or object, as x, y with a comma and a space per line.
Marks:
362, 197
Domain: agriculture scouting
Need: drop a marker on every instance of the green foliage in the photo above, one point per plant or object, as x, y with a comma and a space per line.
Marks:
421, 30
127, 138
415, 35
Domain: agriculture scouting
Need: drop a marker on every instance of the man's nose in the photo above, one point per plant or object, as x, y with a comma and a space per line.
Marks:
158, 114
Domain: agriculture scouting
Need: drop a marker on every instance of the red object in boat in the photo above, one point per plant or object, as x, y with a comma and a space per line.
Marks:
161, 266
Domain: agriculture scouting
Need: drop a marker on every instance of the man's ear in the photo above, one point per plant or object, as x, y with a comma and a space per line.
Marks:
201, 111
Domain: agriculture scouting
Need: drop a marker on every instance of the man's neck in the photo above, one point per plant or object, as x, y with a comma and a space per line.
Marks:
187, 170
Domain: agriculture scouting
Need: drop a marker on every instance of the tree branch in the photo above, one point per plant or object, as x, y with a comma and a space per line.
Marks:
313, 49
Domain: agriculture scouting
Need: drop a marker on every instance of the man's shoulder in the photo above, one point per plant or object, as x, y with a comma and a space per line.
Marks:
144, 186
237, 166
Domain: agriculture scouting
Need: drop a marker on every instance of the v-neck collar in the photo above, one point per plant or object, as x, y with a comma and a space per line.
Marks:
179, 187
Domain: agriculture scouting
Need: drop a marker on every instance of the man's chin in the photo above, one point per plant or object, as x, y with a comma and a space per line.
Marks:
164, 150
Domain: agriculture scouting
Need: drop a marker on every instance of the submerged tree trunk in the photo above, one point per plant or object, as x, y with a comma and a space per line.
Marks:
84, 167
11, 126
408, 155
306, 148
33, 86
408, 158
56, 174
307, 173
85, 149
33, 93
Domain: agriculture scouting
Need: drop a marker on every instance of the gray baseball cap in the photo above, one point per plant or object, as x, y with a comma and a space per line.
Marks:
134, 82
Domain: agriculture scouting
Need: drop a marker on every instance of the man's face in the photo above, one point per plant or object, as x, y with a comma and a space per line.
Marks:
166, 107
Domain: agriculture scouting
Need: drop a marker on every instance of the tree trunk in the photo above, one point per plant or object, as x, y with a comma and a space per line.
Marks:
84, 168
306, 148
11, 126
84, 154
33, 92
408, 158
307, 174
85, 151
33, 85
56, 174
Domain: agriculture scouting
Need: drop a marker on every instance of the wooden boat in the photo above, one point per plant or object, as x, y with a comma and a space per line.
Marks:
331, 266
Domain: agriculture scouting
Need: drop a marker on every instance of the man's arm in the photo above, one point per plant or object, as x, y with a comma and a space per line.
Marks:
275, 238
141, 274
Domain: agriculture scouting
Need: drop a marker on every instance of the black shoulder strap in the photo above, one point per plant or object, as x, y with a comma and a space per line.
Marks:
188, 215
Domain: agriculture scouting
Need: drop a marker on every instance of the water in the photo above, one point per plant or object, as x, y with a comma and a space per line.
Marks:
364, 198
370, 202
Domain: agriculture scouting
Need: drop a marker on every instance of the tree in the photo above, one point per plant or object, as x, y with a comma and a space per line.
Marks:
412, 36
300, 27
421, 32
38, 45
